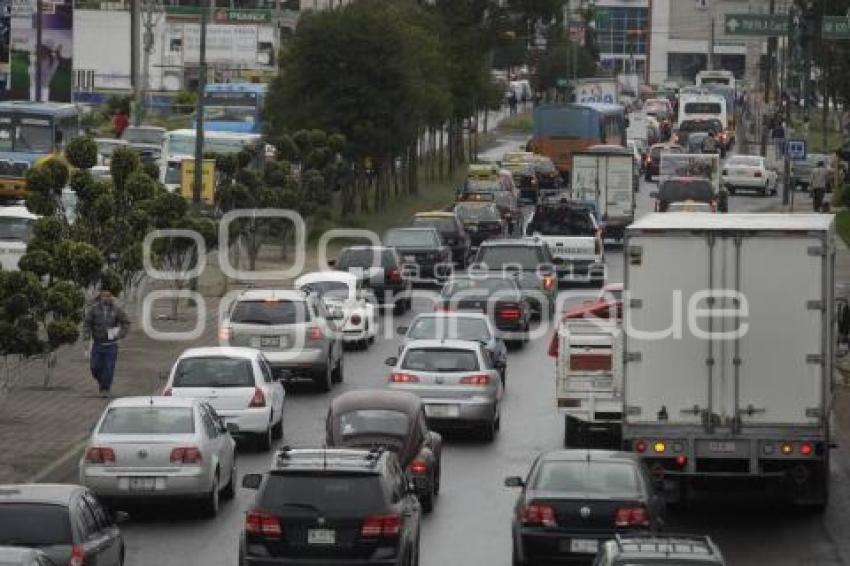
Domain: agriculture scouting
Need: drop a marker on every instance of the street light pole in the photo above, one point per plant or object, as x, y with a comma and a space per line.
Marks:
199, 120
39, 27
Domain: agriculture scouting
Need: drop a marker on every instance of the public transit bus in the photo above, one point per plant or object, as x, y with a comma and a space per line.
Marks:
30, 132
563, 129
234, 107
179, 145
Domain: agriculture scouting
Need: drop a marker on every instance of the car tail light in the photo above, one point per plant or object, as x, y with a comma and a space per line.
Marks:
631, 517
100, 455
509, 313
258, 400
419, 467
478, 379
401, 377
548, 282
806, 449
640, 446
394, 275
166, 392
314, 333
757, 174
538, 515
262, 524
78, 556
186, 455
681, 460
376, 526
225, 334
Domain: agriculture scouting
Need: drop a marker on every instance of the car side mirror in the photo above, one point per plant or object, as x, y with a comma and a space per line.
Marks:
232, 428
252, 481
391, 361
120, 517
401, 330
653, 194
514, 481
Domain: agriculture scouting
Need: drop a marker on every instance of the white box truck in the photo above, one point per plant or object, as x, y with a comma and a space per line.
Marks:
729, 349
589, 382
607, 176
605, 90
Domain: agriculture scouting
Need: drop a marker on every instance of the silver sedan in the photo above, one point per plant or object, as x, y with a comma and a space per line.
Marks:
456, 380
148, 448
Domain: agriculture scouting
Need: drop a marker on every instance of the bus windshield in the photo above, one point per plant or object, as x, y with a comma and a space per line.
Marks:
30, 134
576, 122
184, 144
231, 107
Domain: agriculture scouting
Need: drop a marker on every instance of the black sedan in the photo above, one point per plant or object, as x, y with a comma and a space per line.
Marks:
481, 221
497, 296
574, 500
396, 420
424, 256
451, 231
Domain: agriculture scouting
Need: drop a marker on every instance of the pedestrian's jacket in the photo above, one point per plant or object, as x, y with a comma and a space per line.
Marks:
818, 178
100, 317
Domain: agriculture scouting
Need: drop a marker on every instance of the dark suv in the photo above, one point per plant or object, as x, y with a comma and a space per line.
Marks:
331, 506
675, 550
425, 257
380, 269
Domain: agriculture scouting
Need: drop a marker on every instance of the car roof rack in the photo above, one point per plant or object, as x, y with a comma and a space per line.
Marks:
667, 544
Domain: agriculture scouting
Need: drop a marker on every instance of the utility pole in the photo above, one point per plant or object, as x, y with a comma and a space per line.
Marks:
711, 37
134, 57
771, 54
199, 121
150, 22
39, 27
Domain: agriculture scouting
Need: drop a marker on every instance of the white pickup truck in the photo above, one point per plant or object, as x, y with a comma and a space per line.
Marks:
589, 388
574, 239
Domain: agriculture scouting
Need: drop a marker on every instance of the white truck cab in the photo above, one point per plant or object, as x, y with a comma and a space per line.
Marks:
16, 224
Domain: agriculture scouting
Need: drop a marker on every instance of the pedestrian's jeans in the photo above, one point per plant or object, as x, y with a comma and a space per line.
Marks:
103, 358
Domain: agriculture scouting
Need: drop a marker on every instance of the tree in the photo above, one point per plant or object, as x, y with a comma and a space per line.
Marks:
556, 63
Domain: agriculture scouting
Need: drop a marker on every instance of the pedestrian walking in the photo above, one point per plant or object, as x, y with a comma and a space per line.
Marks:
512, 102
105, 324
817, 184
120, 122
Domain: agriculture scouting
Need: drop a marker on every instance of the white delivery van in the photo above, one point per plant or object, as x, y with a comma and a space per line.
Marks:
607, 175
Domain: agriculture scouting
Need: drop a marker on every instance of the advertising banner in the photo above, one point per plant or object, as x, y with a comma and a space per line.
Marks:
53, 59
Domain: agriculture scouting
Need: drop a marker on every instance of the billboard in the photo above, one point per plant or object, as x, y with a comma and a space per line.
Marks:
53, 59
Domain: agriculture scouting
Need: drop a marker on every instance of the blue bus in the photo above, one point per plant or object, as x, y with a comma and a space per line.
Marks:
30, 132
234, 107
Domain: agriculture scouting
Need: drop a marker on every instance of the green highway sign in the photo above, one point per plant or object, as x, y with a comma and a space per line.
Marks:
836, 27
765, 25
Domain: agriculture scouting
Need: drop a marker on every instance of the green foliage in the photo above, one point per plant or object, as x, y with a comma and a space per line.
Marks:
81, 152
111, 280
124, 162
185, 101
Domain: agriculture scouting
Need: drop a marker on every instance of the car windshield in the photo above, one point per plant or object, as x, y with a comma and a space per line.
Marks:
412, 239
328, 289
743, 161
214, 371
527, 258
322, 493
373, 422
561, 222
364, 258
34, 525
440, 360
142, 135
270, 312
445, 225
12, 228
477, 213
609, 479
450, 328
477, 286
148, 420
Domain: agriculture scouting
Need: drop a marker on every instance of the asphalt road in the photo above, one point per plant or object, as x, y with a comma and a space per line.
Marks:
470, 525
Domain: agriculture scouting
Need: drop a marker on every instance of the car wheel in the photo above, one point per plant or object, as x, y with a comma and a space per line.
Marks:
515, 561
504, 375
211, 502
488, 431
229, 491
324, 380
437, 480
277, 429
339, 372
264, 439
427, 499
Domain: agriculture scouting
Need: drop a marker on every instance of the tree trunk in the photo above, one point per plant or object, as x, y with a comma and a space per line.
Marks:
395, 179
363, 189
413, 176
450, 139
253, 249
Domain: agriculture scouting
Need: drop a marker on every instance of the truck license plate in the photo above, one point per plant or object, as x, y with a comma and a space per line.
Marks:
142, 484
584, 546
321, 536
721, 447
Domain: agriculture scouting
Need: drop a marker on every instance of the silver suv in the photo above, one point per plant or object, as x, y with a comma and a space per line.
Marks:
295, 331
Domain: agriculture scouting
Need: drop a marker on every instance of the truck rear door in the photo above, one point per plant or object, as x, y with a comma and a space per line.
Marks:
780, 377
666, 371
584, 182
618, 189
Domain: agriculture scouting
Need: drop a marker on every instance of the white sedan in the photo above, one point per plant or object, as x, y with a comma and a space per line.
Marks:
343, 292
147, 448
748, 172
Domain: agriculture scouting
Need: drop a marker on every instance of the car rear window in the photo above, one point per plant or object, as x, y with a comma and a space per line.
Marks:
270, 312
412, 238
561, 222
306, 494
440, 360
328, 289
34, 524
528, 258
589, 478
489, 212
218, 371
471, 286
449, 327
373, 422
148, 420
442, 224
364, 258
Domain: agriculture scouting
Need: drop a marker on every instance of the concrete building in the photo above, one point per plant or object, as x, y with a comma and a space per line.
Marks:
622, 32
681, 33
